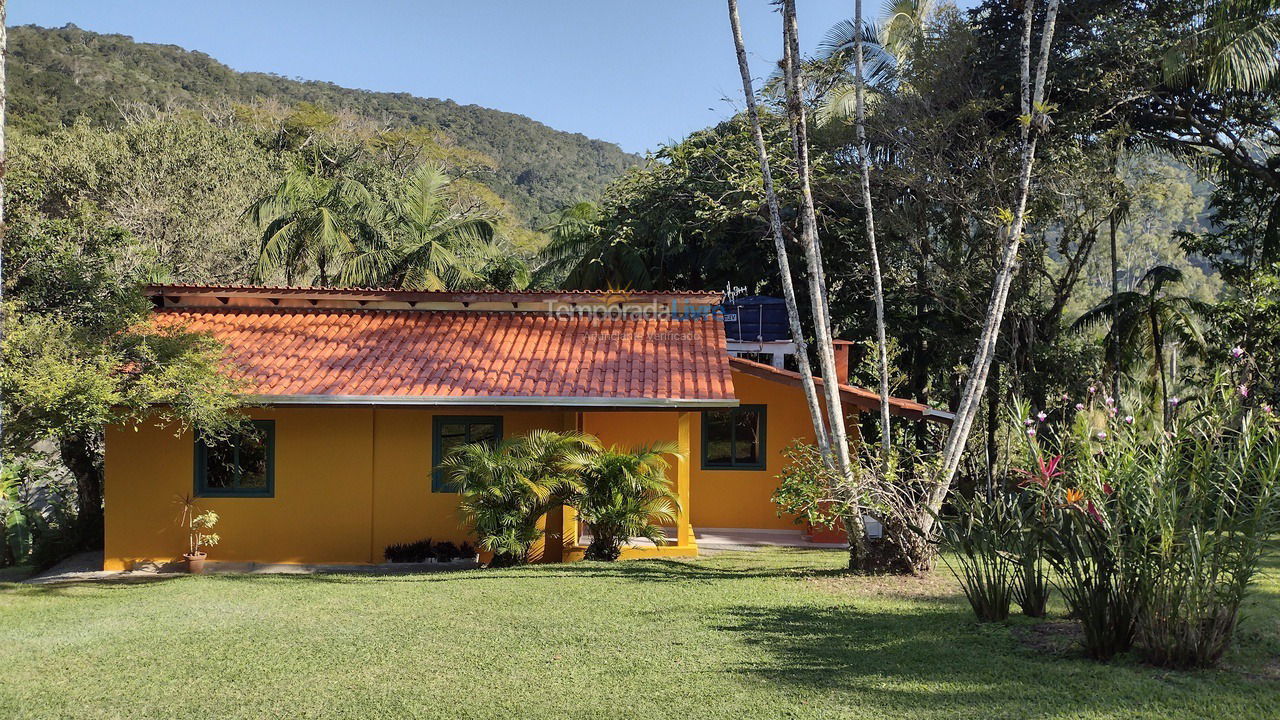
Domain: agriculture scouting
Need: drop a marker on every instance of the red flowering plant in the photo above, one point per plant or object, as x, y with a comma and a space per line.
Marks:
1155, 524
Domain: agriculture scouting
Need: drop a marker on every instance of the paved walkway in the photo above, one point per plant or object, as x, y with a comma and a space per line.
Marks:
87, 567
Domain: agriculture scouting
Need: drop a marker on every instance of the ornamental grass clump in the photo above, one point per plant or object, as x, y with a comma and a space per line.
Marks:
977, 538
1215, 502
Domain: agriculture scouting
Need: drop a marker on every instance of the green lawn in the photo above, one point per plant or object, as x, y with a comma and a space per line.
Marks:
740, 635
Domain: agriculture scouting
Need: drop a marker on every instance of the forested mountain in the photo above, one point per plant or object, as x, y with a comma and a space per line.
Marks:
57, 75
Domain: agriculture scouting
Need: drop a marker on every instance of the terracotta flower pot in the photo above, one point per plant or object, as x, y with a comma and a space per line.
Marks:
195, 563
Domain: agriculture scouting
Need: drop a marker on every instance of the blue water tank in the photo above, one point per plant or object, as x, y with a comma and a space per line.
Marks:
756, 318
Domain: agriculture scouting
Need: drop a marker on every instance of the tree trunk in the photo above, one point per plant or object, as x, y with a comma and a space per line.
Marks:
779, 242
817, 281
1157, 346
993, 423
81, 457
1032, 110
4, 96
1113, 222
864, 166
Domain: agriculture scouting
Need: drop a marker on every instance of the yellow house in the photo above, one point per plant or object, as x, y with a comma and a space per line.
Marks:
358, 393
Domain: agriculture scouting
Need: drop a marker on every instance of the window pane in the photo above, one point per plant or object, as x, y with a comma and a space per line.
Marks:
451, 436
747, 437
485, 432
253, 459
220, 465
718, 437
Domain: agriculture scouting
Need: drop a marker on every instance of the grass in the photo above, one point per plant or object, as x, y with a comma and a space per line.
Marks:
769, 634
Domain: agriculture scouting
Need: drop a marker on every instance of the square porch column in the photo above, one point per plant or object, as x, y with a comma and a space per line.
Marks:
684, 441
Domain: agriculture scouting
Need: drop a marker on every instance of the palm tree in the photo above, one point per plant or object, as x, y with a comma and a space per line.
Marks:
779, 242
507, 488
887, 46
310, 221
819, 301
625, 495
423, 239
4, 52
572, 231
864, 167
583, 255
1229, 45
1146, 321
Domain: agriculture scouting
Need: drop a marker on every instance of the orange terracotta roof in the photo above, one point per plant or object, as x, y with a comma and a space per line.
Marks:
342, 355
850, 394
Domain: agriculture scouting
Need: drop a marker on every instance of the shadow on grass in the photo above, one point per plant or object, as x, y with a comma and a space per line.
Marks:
642, 571
60, 587
940, 663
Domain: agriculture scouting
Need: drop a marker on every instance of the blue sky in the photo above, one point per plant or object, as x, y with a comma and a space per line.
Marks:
636, 72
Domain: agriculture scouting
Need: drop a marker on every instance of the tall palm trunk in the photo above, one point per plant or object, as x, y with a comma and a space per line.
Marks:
1113, 221
779, 242
1032, 112
864, 166
4, 55
818, 284
1157, 348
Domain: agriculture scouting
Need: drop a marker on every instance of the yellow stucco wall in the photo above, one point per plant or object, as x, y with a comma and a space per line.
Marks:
725, 498
743, 498
348, 482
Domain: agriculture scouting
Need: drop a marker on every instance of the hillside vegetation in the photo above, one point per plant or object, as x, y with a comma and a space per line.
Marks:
59, 75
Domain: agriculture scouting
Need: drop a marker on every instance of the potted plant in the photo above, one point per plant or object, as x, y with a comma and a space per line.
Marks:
198, 523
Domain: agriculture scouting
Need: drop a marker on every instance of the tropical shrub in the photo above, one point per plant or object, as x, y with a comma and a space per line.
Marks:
891, 492
15, 530
507, 488
625, 494
1155, 525
423, 550
976, 538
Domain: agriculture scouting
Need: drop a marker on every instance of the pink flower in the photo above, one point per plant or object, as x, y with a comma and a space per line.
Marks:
1079, 406
1113, 411
1041, 416
1066, 397
1093, 513
1237, 352
1174, 401
1111, 400
1028, 422
1031, 432
1093, 389
1128, 419
1244, 391
1102, 436
1266, 408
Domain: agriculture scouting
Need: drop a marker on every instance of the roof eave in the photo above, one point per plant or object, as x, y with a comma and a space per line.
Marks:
495, 401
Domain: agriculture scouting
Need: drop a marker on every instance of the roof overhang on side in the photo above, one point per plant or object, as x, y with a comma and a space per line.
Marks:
850, 395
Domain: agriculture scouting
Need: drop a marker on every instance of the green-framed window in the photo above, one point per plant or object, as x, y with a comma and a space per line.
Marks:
243, 465
734, 438
450, 431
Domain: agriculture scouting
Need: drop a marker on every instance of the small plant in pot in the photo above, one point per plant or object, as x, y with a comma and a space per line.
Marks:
198, 524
